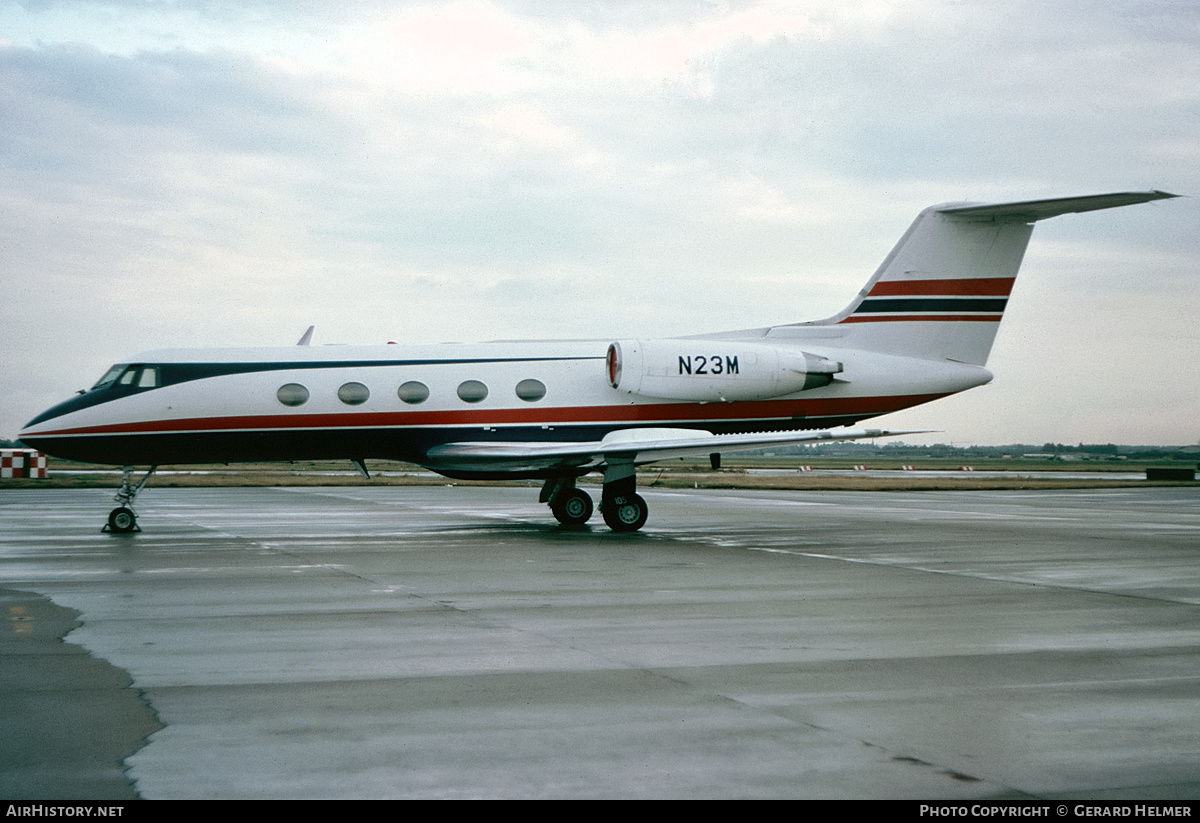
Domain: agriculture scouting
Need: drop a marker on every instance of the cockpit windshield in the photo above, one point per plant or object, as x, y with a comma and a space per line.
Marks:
135, 376
110, 376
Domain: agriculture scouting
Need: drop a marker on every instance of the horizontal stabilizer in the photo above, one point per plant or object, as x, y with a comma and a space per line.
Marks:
1030, 211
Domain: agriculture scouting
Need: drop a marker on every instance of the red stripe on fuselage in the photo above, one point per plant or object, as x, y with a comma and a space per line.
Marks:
974, 287
660, 414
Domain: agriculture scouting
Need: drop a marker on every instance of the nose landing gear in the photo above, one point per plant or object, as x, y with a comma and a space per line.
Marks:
122, 519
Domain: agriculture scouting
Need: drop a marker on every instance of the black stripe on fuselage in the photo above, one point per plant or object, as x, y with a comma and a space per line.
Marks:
173, 373
948, 305
183, 372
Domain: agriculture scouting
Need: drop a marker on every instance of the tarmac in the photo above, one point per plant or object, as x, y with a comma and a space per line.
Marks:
454, 642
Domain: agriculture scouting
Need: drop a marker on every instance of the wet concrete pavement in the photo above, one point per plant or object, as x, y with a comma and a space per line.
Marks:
454, 642
69, 720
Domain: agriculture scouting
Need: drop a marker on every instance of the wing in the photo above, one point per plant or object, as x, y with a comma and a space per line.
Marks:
639, 446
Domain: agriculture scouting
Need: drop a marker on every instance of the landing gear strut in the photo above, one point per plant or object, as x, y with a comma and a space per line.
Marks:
122, 519
623, 508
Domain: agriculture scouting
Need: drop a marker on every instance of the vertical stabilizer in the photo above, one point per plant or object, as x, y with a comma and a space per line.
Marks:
941, 292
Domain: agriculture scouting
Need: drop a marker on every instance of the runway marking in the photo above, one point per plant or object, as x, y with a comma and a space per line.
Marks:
1162, 526
820, 556
193, 569
918, 512
901, 563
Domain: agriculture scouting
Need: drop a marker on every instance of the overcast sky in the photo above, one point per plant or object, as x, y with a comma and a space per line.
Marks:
228, 172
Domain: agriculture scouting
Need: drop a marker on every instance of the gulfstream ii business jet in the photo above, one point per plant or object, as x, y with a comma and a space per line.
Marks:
919, 330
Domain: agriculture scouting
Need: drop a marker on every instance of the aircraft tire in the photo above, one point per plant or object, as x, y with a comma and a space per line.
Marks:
626, 514
122, 520
574, 509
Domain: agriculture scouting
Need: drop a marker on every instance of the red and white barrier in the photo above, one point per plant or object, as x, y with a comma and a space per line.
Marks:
22, 463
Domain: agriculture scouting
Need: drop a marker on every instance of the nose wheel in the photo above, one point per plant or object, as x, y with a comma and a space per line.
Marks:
122, 519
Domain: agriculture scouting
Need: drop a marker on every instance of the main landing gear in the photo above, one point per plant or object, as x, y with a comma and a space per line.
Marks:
122, 519
571, 506
622, 507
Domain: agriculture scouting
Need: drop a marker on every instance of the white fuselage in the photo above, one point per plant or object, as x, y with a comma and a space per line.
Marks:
227, 405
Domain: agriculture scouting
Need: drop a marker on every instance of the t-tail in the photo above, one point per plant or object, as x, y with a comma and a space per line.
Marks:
941, 292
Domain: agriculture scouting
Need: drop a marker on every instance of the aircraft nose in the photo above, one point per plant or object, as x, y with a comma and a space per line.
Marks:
75, 403
37, 433
33, 428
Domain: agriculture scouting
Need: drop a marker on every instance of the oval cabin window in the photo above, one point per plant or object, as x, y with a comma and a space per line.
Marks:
413, 392
292, 394
353, 394
531, 390
472, 391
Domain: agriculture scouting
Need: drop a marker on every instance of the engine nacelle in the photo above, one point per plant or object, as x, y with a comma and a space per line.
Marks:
714, 370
